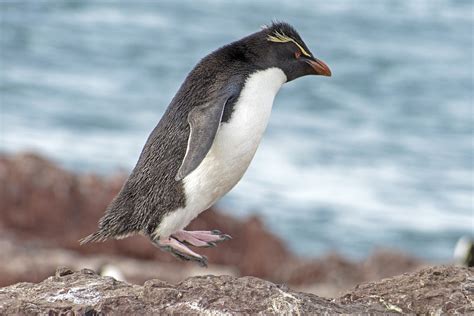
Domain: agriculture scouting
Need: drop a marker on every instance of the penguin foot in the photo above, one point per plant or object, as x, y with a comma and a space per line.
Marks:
180, 251
201, 238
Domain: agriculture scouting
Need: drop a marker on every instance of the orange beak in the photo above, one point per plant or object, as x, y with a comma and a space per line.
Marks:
320, 68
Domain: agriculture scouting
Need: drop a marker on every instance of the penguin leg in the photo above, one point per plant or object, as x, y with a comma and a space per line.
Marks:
180, 250
201, 238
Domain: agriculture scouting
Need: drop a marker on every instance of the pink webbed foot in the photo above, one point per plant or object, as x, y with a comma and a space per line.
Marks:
180, 250
200, 238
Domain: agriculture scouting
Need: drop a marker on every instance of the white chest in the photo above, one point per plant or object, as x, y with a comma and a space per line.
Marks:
236, 141
232, 150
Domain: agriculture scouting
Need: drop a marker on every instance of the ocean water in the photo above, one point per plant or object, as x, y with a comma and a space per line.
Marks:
379, 155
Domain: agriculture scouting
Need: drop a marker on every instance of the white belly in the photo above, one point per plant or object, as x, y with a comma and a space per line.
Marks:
231, 152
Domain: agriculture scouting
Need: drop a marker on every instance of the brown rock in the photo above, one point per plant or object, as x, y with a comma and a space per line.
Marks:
430, 291
83, 292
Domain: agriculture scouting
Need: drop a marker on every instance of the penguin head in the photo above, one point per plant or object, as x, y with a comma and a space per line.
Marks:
279, 45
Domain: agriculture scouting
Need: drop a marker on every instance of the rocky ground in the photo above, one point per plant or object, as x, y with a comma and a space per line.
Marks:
434, 291
45, 210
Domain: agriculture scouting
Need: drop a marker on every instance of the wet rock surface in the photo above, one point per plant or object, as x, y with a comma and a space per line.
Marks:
436, 290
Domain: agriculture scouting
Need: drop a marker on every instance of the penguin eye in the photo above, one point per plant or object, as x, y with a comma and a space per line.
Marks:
297, 54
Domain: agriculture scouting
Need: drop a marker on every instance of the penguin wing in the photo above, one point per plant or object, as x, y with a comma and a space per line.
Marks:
203, 121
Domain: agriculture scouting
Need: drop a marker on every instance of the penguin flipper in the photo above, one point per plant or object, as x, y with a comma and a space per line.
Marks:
203, 121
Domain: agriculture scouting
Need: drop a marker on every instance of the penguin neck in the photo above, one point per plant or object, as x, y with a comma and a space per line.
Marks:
268, 81
255, 102
250, 115
260, 84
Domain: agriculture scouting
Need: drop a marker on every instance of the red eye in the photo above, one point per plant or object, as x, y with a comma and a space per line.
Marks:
297, 54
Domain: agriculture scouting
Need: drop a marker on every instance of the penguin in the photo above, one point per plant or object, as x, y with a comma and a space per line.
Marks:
205, 141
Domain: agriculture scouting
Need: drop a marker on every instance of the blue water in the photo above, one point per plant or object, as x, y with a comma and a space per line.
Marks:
381, 154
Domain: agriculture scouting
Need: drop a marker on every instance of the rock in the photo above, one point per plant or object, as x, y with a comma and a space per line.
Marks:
431, 291
84, 292
62, 271
437, 290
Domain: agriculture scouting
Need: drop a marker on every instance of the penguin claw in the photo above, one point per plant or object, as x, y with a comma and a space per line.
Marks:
225, 237
202, 261
221, 235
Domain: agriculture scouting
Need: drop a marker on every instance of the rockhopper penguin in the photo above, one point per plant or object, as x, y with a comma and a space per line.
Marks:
205, 140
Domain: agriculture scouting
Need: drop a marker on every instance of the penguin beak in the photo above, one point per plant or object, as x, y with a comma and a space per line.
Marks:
319, 67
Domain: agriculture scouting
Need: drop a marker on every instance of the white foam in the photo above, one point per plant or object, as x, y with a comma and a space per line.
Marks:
116, 16
86, 82
366, 192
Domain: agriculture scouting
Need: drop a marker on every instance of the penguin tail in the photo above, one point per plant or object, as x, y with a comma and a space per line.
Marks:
116, 223
98, 236
110, 227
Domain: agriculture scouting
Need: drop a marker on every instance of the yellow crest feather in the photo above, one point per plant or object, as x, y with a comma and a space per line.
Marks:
282, 38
